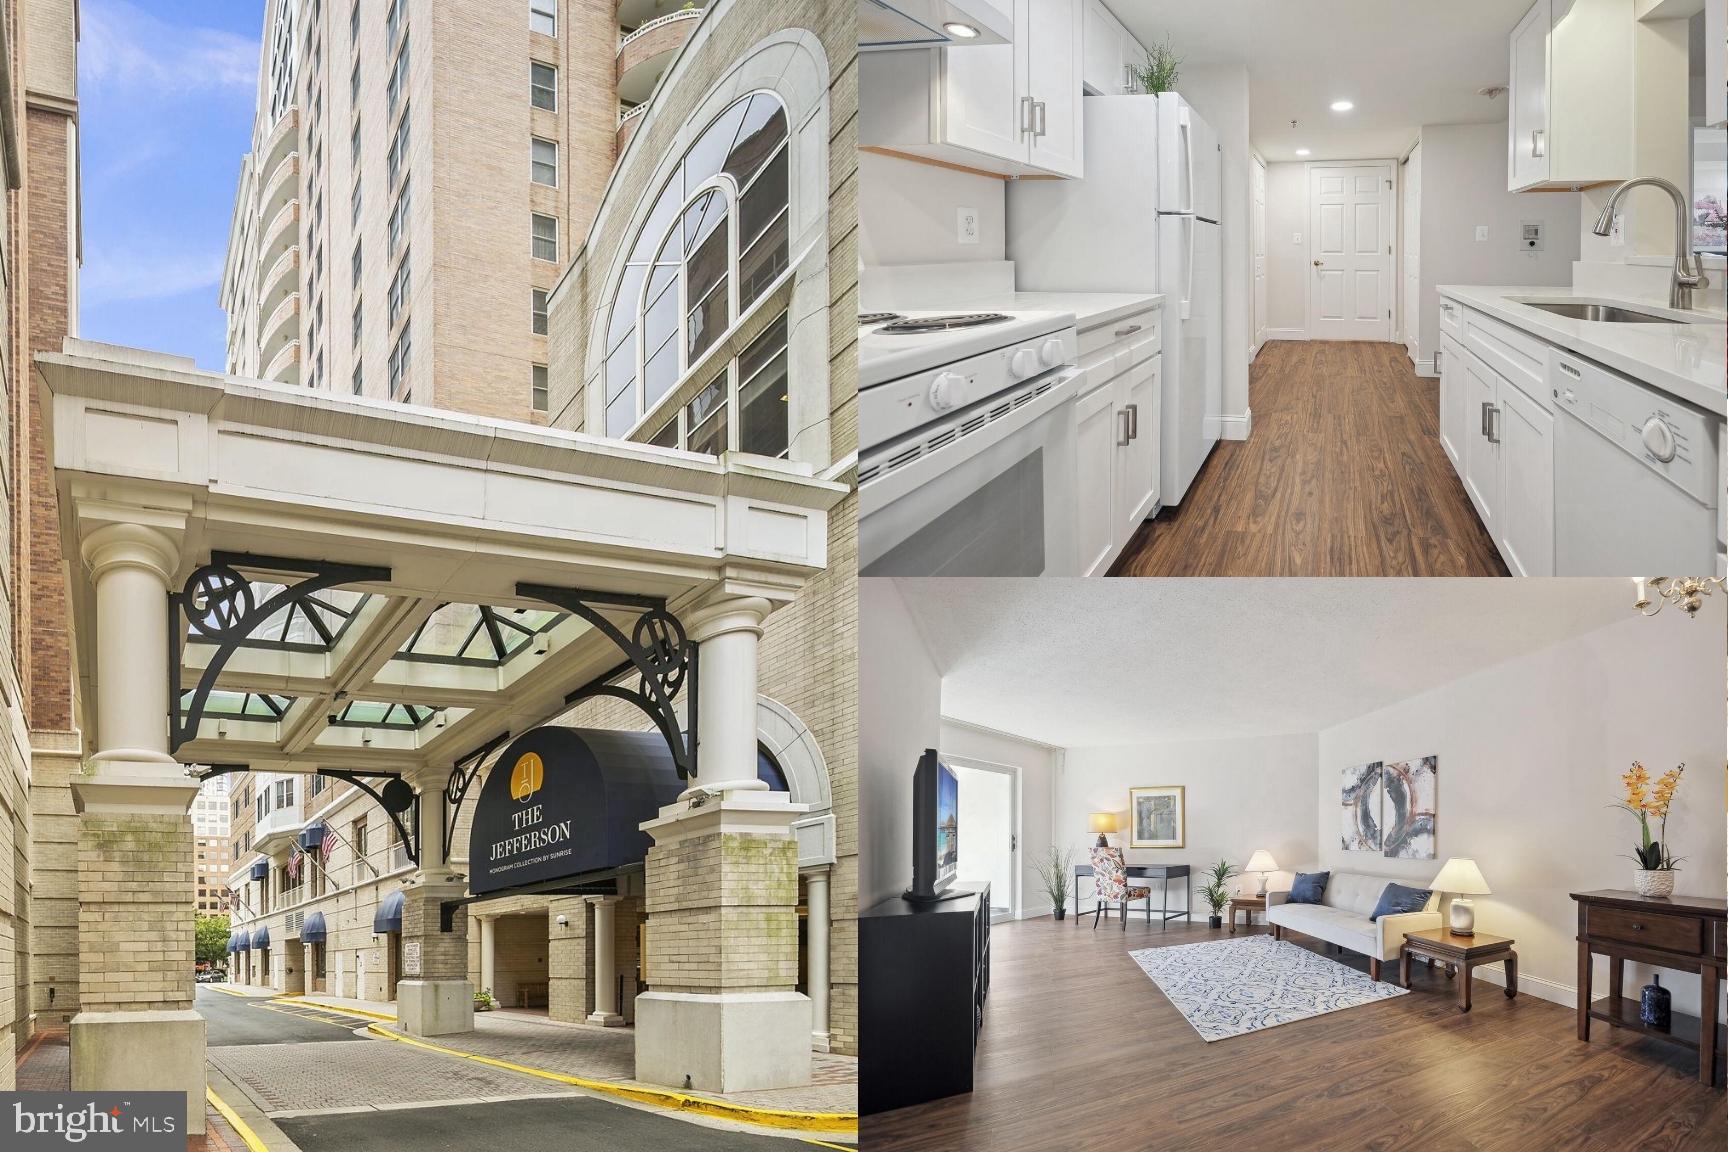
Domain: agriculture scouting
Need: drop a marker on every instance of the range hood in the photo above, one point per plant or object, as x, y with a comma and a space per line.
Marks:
884, 24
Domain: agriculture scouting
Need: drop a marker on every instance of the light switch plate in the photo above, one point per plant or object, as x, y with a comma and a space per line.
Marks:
966, 225
1481, 233
1296, 238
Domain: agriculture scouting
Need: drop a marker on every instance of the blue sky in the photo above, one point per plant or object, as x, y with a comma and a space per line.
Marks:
167, 89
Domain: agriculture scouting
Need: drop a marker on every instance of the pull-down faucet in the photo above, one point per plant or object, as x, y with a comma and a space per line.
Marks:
1688, 265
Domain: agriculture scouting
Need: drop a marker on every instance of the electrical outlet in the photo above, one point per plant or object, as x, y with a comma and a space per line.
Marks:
1295, 237
1481, 233
966, 225
1532, 236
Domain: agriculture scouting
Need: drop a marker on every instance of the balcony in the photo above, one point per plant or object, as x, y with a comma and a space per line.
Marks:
283, 139
281, 280
284, 367
280, 328
281, 234
280, 186
644, 54
627, 122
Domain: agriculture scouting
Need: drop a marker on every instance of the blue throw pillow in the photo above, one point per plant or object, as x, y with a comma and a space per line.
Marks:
1397, 898
1309, 888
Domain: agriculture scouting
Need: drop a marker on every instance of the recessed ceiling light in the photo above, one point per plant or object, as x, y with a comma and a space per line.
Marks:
1342, 105
1303, 152
962, 31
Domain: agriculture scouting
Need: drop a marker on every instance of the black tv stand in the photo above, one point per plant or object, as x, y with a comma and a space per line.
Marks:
912, 897
923, 971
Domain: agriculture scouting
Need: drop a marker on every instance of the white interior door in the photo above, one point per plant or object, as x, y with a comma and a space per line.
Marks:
989, 842
1258, 226
1350, 243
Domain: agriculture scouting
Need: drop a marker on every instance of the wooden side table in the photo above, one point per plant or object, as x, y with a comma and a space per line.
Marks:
1460, 954
1248, 904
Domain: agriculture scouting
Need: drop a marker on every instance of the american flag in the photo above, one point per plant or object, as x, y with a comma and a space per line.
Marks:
329, 846
294, 865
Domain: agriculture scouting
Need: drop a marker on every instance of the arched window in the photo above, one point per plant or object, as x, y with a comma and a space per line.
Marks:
714, 242
768, 770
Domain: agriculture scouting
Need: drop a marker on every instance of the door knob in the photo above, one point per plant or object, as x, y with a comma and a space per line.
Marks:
1317, 264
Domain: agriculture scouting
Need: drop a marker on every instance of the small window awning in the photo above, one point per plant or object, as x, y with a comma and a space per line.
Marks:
261, 938
260, 869
312, 931
388, 918
237, 942
312, 836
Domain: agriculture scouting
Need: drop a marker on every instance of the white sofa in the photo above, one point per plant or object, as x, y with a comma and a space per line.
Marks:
1342, 917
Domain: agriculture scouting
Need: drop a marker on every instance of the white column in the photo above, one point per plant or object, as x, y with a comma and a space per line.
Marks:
605, 964
816, 982
488, 953
432, 818
131, 566
729, 632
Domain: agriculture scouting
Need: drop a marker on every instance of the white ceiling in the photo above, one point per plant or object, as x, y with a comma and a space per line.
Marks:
1404, 63
1077, 663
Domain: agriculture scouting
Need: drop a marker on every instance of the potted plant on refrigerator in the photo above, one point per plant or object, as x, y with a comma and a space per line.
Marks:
1654, 875
1054, 868
1217, 891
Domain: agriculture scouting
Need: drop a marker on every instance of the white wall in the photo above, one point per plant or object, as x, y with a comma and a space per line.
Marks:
1286, 258
1035, 768
908, 213
900, 710
986, 854
1220, 94
1530, 756
1463, 186
1240, 794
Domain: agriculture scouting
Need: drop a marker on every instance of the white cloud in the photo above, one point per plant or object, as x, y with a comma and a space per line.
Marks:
121, 276
125, 48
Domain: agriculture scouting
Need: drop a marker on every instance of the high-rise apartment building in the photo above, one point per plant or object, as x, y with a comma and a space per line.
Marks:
420, 173
211, 854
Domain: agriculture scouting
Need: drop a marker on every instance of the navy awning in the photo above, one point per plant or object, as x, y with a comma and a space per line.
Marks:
388, 918
260, 869
233, 943
242, 941
312, 931
261, 938
312, 836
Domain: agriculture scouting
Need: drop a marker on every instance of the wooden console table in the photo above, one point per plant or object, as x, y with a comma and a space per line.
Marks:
1683, 933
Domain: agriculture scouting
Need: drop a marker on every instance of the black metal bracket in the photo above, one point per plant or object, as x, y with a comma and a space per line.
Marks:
217, 605
396, 797
657, 651
461, 779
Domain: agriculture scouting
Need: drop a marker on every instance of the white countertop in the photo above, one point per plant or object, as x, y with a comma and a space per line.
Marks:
1686, 360
1090, 309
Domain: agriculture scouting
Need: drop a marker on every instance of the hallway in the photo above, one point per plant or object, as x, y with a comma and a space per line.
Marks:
1343, 475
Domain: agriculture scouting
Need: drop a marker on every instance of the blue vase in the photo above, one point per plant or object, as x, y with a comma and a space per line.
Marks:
1656, 1006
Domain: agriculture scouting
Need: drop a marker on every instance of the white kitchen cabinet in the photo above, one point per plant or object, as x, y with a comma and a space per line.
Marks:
1481, 473
1508, 467
1013, 109
1571, 92
1137, 471
1453, 398
1715, 53
1111, 51
1099, 425
1119, 420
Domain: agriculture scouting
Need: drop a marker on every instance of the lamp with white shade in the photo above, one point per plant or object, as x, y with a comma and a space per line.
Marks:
1103, 823
1462, 879
1262, 863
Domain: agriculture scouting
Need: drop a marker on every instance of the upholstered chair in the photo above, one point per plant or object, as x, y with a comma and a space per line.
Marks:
1110, 886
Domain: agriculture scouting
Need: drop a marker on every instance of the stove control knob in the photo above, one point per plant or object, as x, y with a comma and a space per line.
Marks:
948, 391
1023, 363
1659, 439
1052, 352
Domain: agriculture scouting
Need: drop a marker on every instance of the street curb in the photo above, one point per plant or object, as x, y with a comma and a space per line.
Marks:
834, 1122
249, 1127
229, 991
342, 1010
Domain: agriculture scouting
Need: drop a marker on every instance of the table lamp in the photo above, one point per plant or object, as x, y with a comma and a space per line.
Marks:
1103, 823
1462, 878
1262, 863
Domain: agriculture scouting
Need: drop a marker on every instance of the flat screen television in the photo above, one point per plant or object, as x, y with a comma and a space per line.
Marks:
935, 828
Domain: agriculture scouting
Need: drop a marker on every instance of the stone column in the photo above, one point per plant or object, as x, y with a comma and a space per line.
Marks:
488, 953
136, 1029
434, 996
605, 967
816, 941
723, 1013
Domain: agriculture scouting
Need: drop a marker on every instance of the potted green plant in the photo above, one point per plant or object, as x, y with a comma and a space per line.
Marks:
1054, 868
483, 1001
1158, 73
1654, 875
1217, 891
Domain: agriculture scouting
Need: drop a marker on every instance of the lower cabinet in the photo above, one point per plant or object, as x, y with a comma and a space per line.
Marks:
1453, 399
1507, 462
1118, 428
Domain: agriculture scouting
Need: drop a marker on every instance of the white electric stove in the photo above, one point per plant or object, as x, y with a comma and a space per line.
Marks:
966, 434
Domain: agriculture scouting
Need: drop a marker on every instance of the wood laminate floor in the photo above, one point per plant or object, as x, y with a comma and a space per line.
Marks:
1080, 1050
1343, 475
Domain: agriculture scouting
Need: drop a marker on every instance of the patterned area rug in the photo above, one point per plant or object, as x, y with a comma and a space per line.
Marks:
1228, 987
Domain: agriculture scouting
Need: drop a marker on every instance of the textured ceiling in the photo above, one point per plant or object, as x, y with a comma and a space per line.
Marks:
1096, 662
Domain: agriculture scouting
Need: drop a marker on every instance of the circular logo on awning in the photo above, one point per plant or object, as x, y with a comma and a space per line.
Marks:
527, 777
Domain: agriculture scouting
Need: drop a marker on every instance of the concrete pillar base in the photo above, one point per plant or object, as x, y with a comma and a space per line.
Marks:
726, 1042
141, 1052
435, 1007
606, 1019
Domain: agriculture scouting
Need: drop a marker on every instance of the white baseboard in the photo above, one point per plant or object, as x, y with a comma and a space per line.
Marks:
1034, 911
1236, 427
1563, 994
1286, 334
1426, 367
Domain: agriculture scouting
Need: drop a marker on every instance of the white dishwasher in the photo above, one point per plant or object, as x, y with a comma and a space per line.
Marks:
1635, 476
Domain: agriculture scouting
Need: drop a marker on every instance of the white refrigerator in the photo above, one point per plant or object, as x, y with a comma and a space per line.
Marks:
1145, 218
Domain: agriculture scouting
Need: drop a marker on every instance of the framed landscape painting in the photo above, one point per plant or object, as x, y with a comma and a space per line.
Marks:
1157, 817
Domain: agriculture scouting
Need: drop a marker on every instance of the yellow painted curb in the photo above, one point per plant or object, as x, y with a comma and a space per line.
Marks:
229, 991
837, 1122
241, 1128
341, 1011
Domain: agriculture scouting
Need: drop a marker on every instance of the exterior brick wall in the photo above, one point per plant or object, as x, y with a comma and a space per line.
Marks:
135, 925
722, 914
54, 878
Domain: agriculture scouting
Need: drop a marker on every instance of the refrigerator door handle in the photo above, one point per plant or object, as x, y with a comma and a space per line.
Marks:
1188, 272
1188, 158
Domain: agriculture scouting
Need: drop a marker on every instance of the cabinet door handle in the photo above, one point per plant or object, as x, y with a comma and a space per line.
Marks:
1128, 331
1133, 421
1128, 79
1438, 352
1123, 442
1493, 423
1038, 111
1537, 146
1485, 406
1025, 115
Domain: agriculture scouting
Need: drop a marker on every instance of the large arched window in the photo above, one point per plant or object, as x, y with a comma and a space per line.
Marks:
714, 242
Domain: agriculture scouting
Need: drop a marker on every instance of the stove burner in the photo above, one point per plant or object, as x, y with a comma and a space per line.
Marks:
941, 323
877, 317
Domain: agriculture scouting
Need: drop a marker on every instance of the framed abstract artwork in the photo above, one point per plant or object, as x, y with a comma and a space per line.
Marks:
1359, 802
1408, 810
1157, 817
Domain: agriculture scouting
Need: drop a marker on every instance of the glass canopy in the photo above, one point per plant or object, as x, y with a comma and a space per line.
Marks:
476, 634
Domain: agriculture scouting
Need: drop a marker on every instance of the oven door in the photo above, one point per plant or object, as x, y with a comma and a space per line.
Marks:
988, 493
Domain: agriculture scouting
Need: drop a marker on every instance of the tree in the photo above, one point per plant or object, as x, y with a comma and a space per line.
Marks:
212, 939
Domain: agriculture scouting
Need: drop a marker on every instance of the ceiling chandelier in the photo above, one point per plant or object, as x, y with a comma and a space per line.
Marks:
1684, 592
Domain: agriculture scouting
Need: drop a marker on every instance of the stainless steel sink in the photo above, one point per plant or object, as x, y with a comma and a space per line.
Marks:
1602, 313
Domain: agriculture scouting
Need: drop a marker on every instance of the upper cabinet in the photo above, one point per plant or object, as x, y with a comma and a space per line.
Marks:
1111, 52
1570, 121
1011, 109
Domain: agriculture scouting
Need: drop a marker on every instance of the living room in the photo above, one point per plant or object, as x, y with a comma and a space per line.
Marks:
1447, 765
